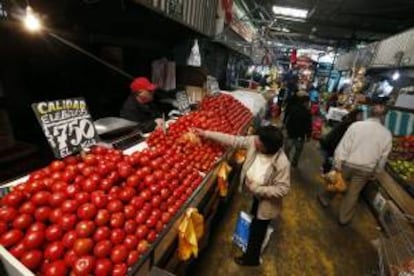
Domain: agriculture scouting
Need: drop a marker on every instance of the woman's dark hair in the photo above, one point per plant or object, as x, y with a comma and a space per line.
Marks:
271, 138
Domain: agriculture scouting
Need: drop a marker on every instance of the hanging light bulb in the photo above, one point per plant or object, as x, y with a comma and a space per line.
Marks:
31, 21
395, 76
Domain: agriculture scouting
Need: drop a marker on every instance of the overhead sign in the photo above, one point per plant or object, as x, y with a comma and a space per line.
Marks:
67, 125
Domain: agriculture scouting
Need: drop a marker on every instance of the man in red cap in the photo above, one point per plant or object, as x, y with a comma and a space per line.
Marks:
140, 106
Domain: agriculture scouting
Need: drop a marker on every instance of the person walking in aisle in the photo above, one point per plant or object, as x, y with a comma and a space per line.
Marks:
266, 175
299, 128
331, 140
360, 155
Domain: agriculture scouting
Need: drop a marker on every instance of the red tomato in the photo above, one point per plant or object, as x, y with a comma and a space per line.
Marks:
119, 270
126, 194
59, 186
69, 206
27, 208
89, 185
142, 246
133, 181
149, 180
22, 221
82, 197
102, 233
34, 240
57, 176
13, 199
133, 257
57, 165
102, 217
129, 211
102, 249
83, 247
156, 201
54, 233
32, 259
41, 198
67, 221
151, 222
69, 239
18, 250
152, 236
141, 216
57, 268
70, 258
131, 242
87, 211
124, 169
54, 251
56, 215
84, 266
115, 206
85, 228
99, 199
130, 226
165, 217
87, 171
137, 202
119, 254
117, 236
165, 193
57, 198
117, 220
105, 185
145, 195
72, 190
3, 227
142, 232
37, 226
90, 159
68, 176
103, 267
7, 214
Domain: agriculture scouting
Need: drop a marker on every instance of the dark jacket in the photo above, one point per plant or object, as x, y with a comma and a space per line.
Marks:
144, 114
299, 122
332, 139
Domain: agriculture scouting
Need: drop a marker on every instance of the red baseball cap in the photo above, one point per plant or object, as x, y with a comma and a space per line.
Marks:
142, 83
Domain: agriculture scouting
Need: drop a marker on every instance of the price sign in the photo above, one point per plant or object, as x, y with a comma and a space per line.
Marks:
67, 125
212, 86
183, 102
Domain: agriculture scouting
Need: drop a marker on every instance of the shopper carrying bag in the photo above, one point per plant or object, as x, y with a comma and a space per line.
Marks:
266, 175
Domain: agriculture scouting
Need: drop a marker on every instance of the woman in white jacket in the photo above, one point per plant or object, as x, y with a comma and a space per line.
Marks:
266, 175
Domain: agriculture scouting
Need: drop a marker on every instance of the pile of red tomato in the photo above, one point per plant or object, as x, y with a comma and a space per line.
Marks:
95, 214
220, 113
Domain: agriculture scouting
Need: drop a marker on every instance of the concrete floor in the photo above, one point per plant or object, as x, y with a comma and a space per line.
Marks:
307, 240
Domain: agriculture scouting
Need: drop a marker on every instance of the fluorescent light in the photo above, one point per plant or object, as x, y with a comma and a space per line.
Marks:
288, 18
290, 12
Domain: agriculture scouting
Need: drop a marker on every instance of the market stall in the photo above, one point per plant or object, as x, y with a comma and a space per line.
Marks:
104, 210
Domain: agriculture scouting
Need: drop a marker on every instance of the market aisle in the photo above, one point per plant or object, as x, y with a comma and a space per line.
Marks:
307, 240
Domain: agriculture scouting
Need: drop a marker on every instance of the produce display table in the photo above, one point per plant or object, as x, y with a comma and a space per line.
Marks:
401, 198
184, 169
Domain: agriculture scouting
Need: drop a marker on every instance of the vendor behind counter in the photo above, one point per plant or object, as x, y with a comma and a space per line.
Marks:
144, 104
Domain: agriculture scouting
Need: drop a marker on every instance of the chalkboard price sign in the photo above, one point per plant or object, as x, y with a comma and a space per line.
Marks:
67, 125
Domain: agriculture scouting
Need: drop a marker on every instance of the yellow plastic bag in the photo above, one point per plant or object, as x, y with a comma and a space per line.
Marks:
222, 178
190, 230
335, 182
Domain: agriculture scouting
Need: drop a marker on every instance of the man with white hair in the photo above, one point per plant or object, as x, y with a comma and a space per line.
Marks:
362, 153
